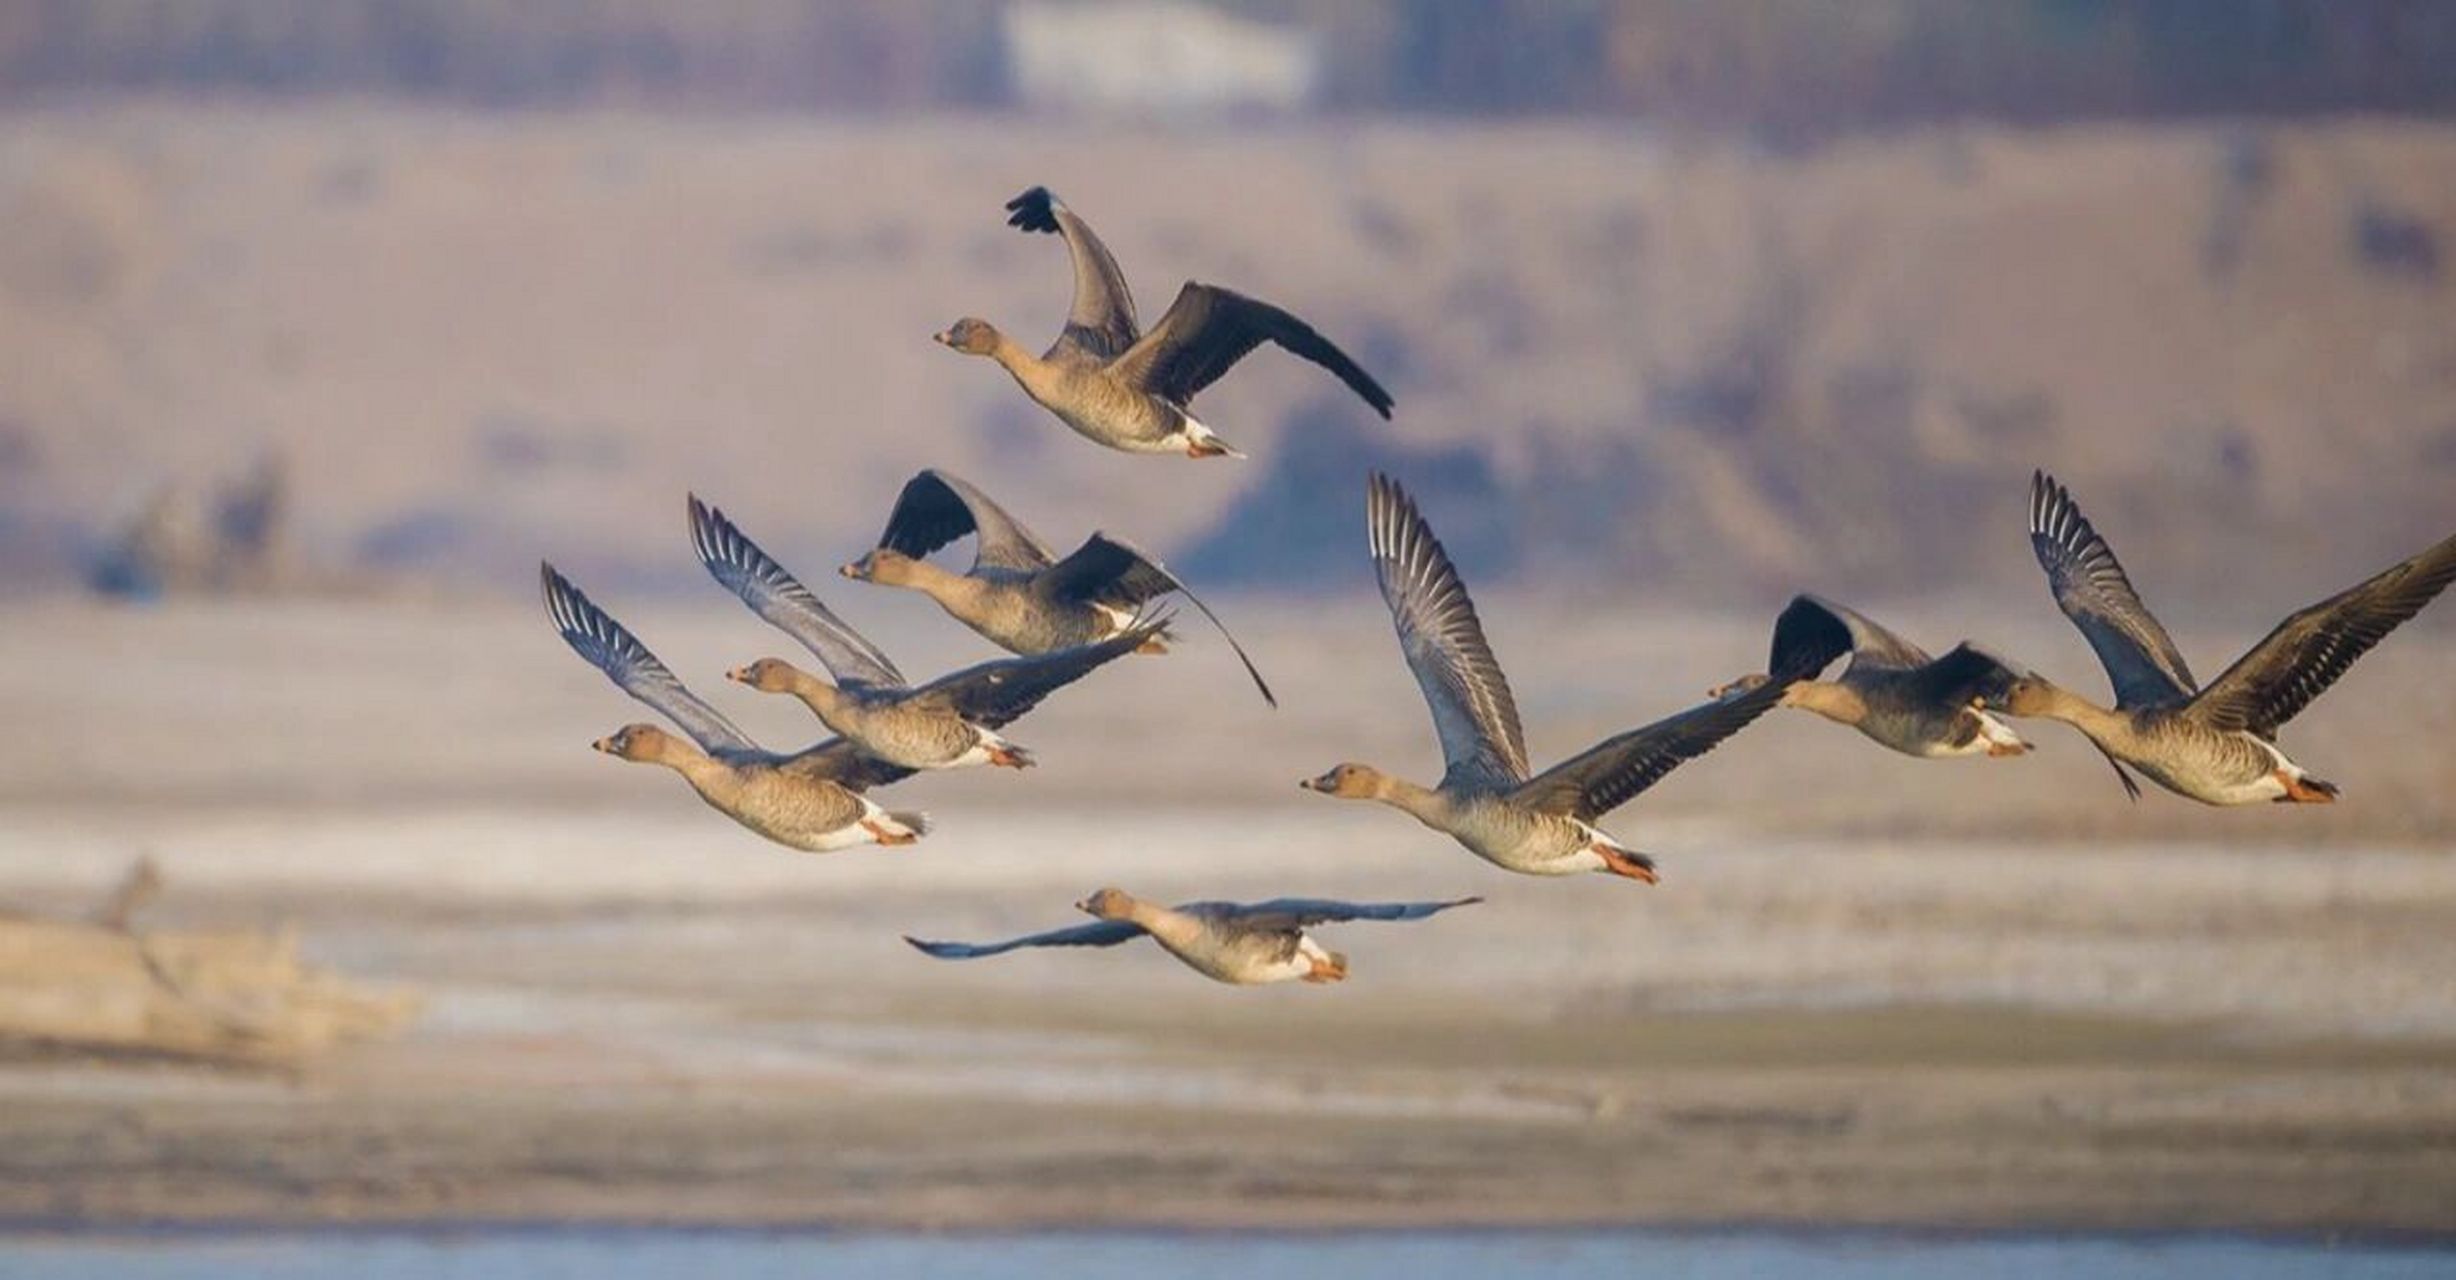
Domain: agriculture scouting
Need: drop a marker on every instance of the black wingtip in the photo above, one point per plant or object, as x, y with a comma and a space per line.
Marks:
1034, 210
1807, 638
934, 950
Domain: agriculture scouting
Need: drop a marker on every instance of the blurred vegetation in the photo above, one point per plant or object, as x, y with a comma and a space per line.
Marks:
1785, 67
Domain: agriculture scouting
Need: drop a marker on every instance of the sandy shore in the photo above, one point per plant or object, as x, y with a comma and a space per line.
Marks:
1945, 1008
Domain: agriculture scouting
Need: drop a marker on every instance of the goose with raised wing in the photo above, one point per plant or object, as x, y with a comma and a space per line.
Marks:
1542, 824
948, 723
1128, 389
810, 800
1897, 695
1018, 594
1238, 943
2216, 743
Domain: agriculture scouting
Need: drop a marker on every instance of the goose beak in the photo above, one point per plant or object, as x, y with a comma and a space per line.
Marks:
1084, 905
943, 338
1314, 784
852, 571
605, 745
739, 675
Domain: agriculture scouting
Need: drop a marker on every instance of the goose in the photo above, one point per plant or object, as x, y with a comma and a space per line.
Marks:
1017, 594
1896, 694
1119, 386
2216, 743
1238, 943
1545, 824
810, 800
948, 723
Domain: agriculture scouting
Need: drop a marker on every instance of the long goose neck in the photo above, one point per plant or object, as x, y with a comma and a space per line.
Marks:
949, 589
1165, 923
1030, 370
825, 700
2102, 724
709, 775
1425, 804
1832, 700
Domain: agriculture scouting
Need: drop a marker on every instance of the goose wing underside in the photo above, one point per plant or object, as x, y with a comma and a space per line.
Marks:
1208, 329
1099, 933
608, 646
1100, 324
740, 566
937, 507
2092, 589
1443, 640
2308, 651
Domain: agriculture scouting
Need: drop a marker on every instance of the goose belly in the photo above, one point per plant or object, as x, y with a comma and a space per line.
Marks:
807, 814
2218, 769
1528, 844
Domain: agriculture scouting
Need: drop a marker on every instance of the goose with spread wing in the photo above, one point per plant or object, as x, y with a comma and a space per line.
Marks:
1542, 824
1128, 389
1896, 694
1018, 594
2216, 744
948, 723
810, 800
1238, 943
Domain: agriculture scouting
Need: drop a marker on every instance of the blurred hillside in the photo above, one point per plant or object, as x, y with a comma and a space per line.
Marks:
1788, 68
1708, 369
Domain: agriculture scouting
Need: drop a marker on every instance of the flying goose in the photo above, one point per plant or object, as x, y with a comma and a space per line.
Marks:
1127, 389
1486, 800
1017, 594
809, 800
1896, 694
2215, 744
1228, 942
947, 723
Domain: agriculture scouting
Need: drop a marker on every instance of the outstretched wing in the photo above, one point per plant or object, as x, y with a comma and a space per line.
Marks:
937, 507
2308, 651
1100, 324
1208, 329
2090, 587
737, 562
844, 764
1965, 673
1807, 638
1099, 933
596, 636
1871, 645
1111, 571
1443, 640
1296, 913
994, 693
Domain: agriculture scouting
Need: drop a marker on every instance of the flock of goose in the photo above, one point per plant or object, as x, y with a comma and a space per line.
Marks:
1064, 617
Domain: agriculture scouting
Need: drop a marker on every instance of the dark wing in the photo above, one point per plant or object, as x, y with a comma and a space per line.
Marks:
1114, 572
937, 507
1965, 673
995, 693
1099, 933
1296, 913
1611, 773
1806, 639
1443, 641
596, 636
2091, 589
2308, 651
1871, 645
1208, 329
1100, 324
745, 570
844, 764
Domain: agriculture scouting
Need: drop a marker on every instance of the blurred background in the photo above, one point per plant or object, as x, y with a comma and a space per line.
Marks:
324, 320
